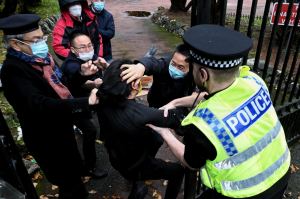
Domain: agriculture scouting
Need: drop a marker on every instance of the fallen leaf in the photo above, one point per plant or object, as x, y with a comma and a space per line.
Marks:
98, 141
37, 176
116, 197
165, 182
86, 179
294, 168
54, 187
148, 182
92, 191
156, 195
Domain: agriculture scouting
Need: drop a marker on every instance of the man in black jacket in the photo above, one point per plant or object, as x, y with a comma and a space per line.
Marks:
171, 77
43, 104
82, 52
130, 144
106, 26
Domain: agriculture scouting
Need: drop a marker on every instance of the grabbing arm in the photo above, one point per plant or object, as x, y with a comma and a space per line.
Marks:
187, 101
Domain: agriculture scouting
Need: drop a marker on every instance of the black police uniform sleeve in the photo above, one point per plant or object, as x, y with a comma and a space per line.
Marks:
155, 66
198, 148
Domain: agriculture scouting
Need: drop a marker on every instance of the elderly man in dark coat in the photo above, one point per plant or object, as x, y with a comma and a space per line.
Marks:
43, 104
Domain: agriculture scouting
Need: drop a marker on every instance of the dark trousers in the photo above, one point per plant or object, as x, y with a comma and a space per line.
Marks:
155, 169
89, 131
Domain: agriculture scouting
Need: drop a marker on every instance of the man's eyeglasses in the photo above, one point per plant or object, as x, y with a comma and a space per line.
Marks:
44, 38
87, 47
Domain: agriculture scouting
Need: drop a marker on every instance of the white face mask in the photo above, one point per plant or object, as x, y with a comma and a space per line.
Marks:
86, 56
75, 10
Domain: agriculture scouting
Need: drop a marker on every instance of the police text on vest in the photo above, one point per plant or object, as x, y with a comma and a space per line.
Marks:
246, 114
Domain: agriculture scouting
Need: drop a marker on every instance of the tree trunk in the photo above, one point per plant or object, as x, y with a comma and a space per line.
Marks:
178, 5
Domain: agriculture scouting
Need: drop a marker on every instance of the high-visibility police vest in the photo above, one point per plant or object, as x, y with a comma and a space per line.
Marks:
241, 123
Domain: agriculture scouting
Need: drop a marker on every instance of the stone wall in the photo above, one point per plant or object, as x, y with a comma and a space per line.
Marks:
48, 24
170, 25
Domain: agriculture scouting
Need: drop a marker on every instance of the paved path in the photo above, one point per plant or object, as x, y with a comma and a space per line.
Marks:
133, 37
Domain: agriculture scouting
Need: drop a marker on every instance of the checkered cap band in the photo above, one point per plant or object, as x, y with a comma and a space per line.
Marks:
215, 63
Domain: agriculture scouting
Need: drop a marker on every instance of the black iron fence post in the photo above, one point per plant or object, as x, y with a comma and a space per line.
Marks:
12, 163
201, 11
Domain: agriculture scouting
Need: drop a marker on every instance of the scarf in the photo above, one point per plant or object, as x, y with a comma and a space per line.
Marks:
51, 73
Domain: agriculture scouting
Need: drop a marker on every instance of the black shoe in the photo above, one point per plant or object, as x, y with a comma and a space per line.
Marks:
138, 191
97, 173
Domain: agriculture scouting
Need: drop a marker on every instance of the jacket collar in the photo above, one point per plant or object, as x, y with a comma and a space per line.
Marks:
70, 21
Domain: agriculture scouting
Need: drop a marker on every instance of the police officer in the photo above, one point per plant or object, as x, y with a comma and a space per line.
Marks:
43, 104
234, 134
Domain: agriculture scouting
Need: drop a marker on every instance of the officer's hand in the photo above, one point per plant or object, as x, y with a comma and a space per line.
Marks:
101, 63
159, 130
132, 72
93, 99
200, 97
167, 107
88, 68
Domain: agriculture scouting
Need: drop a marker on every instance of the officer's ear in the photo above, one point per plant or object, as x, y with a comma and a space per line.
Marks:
204, 73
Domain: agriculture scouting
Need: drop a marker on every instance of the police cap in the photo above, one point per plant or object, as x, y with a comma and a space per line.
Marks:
216, 47
19, 24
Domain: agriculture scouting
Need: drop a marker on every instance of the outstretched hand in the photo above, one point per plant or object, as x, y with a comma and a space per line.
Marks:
167, 107
101, 63
132, 72
88, 68
159, 130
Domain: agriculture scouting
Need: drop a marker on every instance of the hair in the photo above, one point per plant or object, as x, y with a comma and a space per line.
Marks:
113, 90
76, 34
7, 38
184, 50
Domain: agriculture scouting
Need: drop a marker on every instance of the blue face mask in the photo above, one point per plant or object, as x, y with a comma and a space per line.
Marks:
98, 6
175, 73
39, 49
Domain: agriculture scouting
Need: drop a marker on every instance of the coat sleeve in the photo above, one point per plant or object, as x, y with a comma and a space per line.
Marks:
156, 117
60, 42
197, 143
108, 32
37, 100
154, 66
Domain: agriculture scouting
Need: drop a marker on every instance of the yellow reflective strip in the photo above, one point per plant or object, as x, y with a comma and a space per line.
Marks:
251, 151
255, 180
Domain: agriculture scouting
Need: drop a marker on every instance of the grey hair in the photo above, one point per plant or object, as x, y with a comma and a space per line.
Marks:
7, 38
